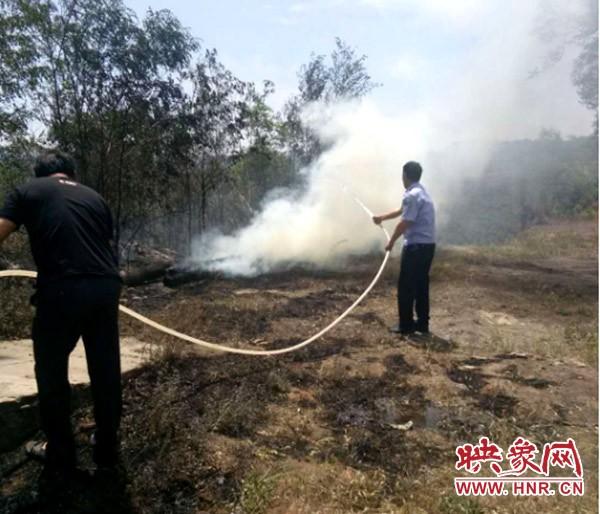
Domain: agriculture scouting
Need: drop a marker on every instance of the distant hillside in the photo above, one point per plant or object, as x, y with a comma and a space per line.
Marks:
525, 183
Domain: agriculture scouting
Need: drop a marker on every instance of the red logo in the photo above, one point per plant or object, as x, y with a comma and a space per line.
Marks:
522, 456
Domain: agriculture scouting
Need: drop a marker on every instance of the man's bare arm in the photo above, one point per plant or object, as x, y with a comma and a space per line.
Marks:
398, 231
389, 216
7, 227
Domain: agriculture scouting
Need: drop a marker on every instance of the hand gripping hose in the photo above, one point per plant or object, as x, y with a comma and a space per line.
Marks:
243, 351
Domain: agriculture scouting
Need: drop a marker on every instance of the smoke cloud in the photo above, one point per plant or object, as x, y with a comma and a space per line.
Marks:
491, 96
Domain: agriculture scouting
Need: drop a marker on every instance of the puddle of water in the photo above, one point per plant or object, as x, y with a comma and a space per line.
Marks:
424, 416
387, 412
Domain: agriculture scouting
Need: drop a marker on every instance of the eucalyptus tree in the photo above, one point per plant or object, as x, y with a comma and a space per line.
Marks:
343, 78
105, 86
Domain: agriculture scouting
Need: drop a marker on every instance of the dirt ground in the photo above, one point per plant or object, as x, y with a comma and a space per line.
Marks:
362, 420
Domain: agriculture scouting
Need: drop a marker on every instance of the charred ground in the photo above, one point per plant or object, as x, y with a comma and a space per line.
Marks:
326, 429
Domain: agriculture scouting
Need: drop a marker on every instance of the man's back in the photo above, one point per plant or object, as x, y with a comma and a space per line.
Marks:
70, 230
69, 225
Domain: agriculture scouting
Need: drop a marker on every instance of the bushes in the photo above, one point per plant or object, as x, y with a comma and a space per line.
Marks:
15, 312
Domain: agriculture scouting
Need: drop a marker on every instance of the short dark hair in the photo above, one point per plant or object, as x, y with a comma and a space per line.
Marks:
413, 171
54, 161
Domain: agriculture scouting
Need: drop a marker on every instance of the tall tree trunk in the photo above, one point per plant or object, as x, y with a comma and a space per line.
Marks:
190, 210
203, 186
119, 216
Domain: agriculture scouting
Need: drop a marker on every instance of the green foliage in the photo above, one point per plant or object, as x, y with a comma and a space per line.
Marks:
345, 78
107, 88
17, 53
579, 31
169, 136
585, 68
15, 165
256, 492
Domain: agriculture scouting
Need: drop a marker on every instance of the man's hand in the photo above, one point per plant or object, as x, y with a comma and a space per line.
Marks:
398, 231
7, 227
389, 216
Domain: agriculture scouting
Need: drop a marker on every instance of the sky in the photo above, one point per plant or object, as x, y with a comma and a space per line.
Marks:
426, 54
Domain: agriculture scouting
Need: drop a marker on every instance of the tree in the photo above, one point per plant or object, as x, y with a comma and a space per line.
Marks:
263, 165
216, 112
585, 68
17, 53
106, 88
15, 163
174, 141
344, 78
561, 32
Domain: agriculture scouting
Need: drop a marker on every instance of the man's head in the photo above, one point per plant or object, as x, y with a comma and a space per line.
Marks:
411, 173
52, 162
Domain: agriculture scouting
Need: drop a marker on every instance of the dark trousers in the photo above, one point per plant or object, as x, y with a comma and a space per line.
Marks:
85, 307
413, 286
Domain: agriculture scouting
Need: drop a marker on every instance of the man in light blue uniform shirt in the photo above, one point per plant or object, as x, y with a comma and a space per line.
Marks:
417, 224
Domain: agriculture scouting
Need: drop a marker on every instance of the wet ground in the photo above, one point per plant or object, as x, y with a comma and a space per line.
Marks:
362, 420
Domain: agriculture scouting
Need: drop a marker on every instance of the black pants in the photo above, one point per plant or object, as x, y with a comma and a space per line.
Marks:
413, 286
77, 307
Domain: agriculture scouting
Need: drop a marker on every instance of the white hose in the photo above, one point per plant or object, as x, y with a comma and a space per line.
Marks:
218, 347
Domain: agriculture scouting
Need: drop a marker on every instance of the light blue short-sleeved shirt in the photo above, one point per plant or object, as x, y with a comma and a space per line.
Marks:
417, 207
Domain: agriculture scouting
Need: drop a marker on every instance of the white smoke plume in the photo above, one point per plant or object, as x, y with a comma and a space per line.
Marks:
325, 222
491, 97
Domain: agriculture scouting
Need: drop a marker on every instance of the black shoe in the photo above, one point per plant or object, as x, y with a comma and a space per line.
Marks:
422, 330
108, 473
59, 485
402, 331
38, 450
105, 456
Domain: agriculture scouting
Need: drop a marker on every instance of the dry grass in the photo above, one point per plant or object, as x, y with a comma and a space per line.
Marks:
257, 492
562, 239
310, 432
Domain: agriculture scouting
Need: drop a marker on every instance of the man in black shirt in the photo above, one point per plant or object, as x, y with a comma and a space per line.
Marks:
77, 295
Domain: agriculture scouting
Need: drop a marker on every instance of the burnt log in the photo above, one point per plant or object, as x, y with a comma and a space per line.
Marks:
145, 265
148, 274
179, 275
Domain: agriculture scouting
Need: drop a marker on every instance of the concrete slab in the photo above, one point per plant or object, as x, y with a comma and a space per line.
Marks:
17, 377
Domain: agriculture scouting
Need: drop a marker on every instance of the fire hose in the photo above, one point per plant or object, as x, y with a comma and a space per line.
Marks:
243, 351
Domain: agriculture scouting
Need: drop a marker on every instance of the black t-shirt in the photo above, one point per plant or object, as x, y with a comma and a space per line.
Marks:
69, 225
